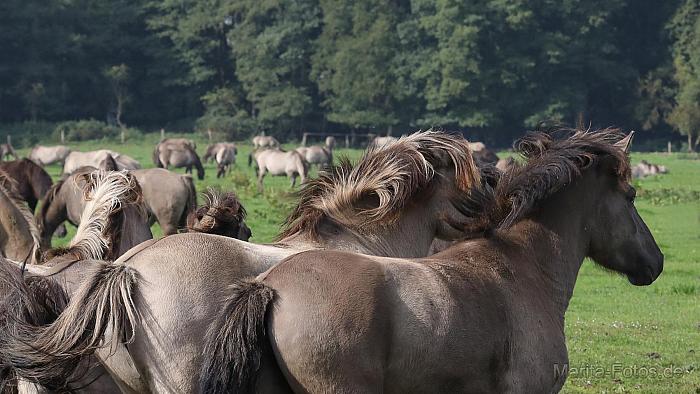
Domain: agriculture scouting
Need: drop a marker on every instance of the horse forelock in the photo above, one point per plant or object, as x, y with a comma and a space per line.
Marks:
221, 209
552, 164
382, 183
106, 193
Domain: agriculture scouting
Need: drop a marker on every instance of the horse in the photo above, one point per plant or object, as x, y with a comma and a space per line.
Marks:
168, 197
644, 169
222, 214
279, 163
171, 143
45, 155
486, 315
225, 157
393, 202
178, 156
482, 154
321, 155
7, 150
112, 198
76, 160
32, 181
19, 235
264, 142
213, 149
379, 141
330, 142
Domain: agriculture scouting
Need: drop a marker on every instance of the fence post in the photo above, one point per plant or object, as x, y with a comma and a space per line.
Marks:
9, 140
123, 136
347, 141
63, 136
162, 134
669, 147
303, 139
209, 135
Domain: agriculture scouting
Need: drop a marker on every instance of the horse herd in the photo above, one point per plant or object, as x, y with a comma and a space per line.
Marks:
422, 267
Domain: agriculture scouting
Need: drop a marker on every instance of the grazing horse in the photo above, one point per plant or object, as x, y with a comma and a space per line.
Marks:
168, 197
393, 202
19, 235
178, 156
264, 142
222, 214
7, 150
31, 180
171, 143
41, 295
321, 155
76, 160
213, 149
280, 163
486, 315
225, 158
45, 155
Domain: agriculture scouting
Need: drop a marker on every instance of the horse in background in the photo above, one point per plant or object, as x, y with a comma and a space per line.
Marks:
32, 182
45, 155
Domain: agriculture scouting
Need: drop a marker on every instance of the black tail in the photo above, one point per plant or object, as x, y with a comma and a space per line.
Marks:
236, 341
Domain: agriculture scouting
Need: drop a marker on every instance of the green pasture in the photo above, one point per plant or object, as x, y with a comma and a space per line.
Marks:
621, 338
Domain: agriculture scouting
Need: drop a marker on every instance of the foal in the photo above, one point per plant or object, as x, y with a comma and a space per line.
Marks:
486, 315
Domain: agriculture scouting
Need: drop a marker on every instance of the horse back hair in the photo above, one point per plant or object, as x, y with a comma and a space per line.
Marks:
236, 341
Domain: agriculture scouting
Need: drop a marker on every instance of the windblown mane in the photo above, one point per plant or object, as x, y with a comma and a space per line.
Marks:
106, 192
387, 176
552, 163
222, 209
8, 187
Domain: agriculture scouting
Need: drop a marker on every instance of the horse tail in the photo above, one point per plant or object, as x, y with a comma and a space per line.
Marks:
50, 354
302, 165
250, 158
191, 203
236, 341
31, 300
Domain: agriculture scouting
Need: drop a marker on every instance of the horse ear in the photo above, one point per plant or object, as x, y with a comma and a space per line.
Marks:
626, 142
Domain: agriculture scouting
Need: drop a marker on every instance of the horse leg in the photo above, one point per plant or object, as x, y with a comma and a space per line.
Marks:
261, 175
294, 178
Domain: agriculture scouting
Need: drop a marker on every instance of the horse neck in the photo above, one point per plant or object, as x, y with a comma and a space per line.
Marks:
553, 242
409, 236
50, 219
134, 229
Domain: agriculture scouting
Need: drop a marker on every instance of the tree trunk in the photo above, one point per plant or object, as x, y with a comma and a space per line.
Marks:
697, 142
690, 143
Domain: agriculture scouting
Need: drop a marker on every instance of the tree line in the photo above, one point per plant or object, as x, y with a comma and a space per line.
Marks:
492, 67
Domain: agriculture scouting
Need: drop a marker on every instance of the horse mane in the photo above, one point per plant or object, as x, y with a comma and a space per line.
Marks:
220, 212
387, 176
551, 164
8, 187
106, 192
48, 199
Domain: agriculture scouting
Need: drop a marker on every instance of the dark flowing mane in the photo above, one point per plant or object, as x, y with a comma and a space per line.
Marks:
382, 183
551, 163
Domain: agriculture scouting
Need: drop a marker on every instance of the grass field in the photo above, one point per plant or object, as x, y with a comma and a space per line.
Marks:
621, 338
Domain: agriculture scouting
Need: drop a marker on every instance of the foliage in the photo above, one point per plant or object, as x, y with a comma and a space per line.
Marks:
685, 28
84, 130
489, 67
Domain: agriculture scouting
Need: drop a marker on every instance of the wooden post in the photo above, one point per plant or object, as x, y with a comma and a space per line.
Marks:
162, 134
303, 139
123, 136
669, 147
347, 141
352, 137
209, 135
9, 140
63, 136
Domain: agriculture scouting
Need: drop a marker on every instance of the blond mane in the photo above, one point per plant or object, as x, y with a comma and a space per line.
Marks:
384, 181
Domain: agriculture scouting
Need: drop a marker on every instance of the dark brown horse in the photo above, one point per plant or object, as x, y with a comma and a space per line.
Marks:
486, 315
32, 181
